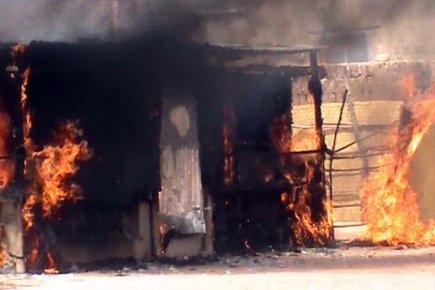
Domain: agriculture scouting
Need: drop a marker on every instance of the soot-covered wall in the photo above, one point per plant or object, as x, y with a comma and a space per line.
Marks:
113, 89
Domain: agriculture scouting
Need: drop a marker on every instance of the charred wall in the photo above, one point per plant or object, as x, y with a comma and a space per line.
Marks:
248, 209
114, 91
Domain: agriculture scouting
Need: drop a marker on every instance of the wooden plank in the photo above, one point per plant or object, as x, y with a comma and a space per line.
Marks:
358, 137
347, 214
367, 113
181, 202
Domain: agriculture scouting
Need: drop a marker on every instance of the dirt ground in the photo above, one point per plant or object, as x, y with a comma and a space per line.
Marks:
343, 267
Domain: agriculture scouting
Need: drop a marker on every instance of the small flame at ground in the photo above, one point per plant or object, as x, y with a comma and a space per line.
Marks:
51, 265
390, 205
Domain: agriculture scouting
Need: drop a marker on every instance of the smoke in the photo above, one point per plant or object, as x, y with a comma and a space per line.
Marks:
69, 20
304, 21
254, 21
289, 22
26, 20
394, 29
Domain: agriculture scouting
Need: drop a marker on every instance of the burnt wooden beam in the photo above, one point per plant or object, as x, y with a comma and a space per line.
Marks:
315, 88
16, 189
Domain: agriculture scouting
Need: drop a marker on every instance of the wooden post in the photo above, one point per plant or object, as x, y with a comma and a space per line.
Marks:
143, 243
208, 248
315, 88
155, 225
12, 206
355, 129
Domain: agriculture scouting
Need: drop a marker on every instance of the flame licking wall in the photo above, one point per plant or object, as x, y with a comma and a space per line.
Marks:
65, 205
46, 171
374, 106
115, 90
391, 207
264, 195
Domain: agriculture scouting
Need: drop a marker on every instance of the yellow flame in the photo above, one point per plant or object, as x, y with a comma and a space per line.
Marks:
50, 169
300, 172
390, 205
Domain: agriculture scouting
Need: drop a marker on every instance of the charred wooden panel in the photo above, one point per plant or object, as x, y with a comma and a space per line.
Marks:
117, 105
181, 200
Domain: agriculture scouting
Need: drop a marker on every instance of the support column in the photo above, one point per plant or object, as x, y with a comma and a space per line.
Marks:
13, 225
142, 243
12, 196
315, 88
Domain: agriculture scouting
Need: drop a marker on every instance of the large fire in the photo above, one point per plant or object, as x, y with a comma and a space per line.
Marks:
302, 171
390, 205
308, 231
48, 172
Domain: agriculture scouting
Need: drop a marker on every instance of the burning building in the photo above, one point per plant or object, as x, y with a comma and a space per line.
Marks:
154, 146
193, 156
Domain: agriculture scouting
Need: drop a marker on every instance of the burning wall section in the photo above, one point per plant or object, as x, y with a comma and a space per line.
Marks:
55, 87
375, 108
266, 194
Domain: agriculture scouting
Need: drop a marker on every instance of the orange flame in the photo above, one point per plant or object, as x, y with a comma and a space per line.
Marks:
51, 265
228, 145
53, 166
306, 229
3, 254
300, 172
33, 256
58, 162
27, 126
390, 205
49, 170
286, 141
305, 140
7, 165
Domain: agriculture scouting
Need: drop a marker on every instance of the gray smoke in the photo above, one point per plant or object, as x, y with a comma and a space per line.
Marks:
298, 20
68, 20
26, 20
289, 22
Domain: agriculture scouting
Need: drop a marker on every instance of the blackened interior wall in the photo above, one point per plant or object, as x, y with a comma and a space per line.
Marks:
245, 216
113, 89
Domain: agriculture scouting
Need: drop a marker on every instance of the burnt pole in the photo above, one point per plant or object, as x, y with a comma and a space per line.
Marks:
315, 89
16, 189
